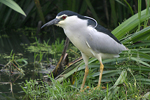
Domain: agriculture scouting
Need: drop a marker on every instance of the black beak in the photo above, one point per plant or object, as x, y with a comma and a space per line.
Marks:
52, 22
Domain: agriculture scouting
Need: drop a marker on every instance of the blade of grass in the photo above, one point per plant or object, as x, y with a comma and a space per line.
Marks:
137, 36
38, 6
129, 7
139, 13
147, 12
113, 13
121, 3
140, 61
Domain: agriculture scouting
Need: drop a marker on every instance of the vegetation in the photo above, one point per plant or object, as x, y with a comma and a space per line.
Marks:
13, 5
126, 77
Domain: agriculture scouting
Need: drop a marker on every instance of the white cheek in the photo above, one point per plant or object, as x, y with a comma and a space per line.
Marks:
61, 24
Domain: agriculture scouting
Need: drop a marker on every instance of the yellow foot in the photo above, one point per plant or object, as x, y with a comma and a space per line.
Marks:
97, 88
87, 87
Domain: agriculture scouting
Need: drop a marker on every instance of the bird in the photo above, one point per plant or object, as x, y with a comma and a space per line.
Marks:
92, 39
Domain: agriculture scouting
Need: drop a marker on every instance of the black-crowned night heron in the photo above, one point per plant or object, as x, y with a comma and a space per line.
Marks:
91, 39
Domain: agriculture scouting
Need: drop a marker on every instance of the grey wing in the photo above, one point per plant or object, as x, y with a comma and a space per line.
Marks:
103, 43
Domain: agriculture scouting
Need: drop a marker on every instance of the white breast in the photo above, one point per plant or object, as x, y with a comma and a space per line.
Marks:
78, 40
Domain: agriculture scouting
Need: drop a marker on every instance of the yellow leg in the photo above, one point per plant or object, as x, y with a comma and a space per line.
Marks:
100, 75
84, 79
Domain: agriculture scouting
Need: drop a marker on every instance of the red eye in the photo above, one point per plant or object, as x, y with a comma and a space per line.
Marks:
64, 17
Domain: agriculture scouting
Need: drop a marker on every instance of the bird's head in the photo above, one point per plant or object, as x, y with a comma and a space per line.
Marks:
68, 18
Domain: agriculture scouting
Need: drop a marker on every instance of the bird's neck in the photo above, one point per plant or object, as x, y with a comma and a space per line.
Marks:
72, 31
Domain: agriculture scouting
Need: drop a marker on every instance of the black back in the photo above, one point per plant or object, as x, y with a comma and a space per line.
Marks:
104, 30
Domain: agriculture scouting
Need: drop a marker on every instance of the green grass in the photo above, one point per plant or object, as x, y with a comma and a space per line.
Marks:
123, 78
129, 88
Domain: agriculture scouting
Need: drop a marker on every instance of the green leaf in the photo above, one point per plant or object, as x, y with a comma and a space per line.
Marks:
108, 73
130, 24
114, 88
141, 44
140, 35
13, 5
144, 81
140, 61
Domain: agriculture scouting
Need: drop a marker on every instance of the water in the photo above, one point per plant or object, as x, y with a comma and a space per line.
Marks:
11, 81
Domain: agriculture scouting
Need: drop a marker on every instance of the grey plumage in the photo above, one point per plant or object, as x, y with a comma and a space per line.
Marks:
103, 43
